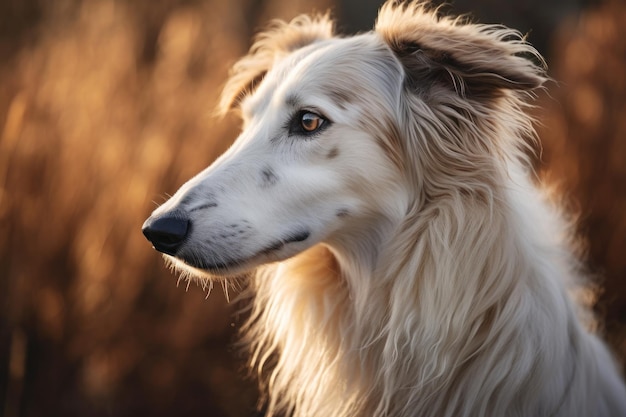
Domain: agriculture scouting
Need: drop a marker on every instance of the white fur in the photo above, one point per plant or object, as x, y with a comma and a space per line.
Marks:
434, 280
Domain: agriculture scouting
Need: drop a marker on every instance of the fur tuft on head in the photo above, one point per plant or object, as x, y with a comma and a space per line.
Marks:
280, 39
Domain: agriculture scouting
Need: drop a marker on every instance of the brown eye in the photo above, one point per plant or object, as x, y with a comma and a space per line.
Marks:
310, 122
307, 124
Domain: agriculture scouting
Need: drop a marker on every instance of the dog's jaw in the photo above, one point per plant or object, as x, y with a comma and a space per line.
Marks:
223, 266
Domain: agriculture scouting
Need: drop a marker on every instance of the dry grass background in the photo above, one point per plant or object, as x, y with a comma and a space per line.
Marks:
584, 136
105, 106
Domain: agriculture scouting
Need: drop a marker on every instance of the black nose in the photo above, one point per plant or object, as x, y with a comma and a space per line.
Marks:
166, 232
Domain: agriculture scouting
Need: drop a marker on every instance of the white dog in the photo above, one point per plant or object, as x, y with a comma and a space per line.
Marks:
402, 260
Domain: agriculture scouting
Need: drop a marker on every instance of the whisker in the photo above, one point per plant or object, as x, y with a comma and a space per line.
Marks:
210, 288
225, 288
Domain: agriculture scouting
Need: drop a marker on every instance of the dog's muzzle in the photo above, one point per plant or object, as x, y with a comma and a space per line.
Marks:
166, 232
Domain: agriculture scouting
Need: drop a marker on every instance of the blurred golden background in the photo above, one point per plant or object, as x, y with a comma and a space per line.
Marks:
106, 107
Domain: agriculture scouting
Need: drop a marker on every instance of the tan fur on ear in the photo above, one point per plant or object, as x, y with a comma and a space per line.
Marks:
476, 60
277, 41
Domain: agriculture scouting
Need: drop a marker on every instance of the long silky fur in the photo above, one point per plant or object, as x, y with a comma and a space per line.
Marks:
463, 308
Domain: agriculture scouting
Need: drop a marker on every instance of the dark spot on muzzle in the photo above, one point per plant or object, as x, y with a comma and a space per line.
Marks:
343, 212
268, 177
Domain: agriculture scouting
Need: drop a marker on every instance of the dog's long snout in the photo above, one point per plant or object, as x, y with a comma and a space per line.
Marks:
167, 232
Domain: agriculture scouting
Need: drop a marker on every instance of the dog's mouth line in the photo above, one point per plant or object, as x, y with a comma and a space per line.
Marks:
225, 266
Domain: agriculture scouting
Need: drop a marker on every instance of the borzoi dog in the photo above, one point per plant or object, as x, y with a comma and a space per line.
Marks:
380, 197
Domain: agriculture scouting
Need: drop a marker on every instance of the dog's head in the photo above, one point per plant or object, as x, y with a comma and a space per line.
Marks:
341, 136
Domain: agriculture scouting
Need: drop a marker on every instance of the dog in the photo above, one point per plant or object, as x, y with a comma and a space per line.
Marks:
403, 259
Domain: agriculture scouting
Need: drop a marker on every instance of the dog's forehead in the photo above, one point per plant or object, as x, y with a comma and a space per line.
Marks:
287, 76
337, 68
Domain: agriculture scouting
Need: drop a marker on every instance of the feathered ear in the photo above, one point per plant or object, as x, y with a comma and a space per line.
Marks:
278, 40
477, 61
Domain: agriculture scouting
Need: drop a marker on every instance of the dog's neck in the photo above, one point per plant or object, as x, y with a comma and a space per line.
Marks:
459, 280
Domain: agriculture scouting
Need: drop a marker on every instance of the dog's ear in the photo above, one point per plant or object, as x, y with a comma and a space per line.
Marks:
278, 40
477, 61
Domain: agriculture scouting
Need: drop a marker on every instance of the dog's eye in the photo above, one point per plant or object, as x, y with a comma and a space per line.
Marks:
310, 122
306, 123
